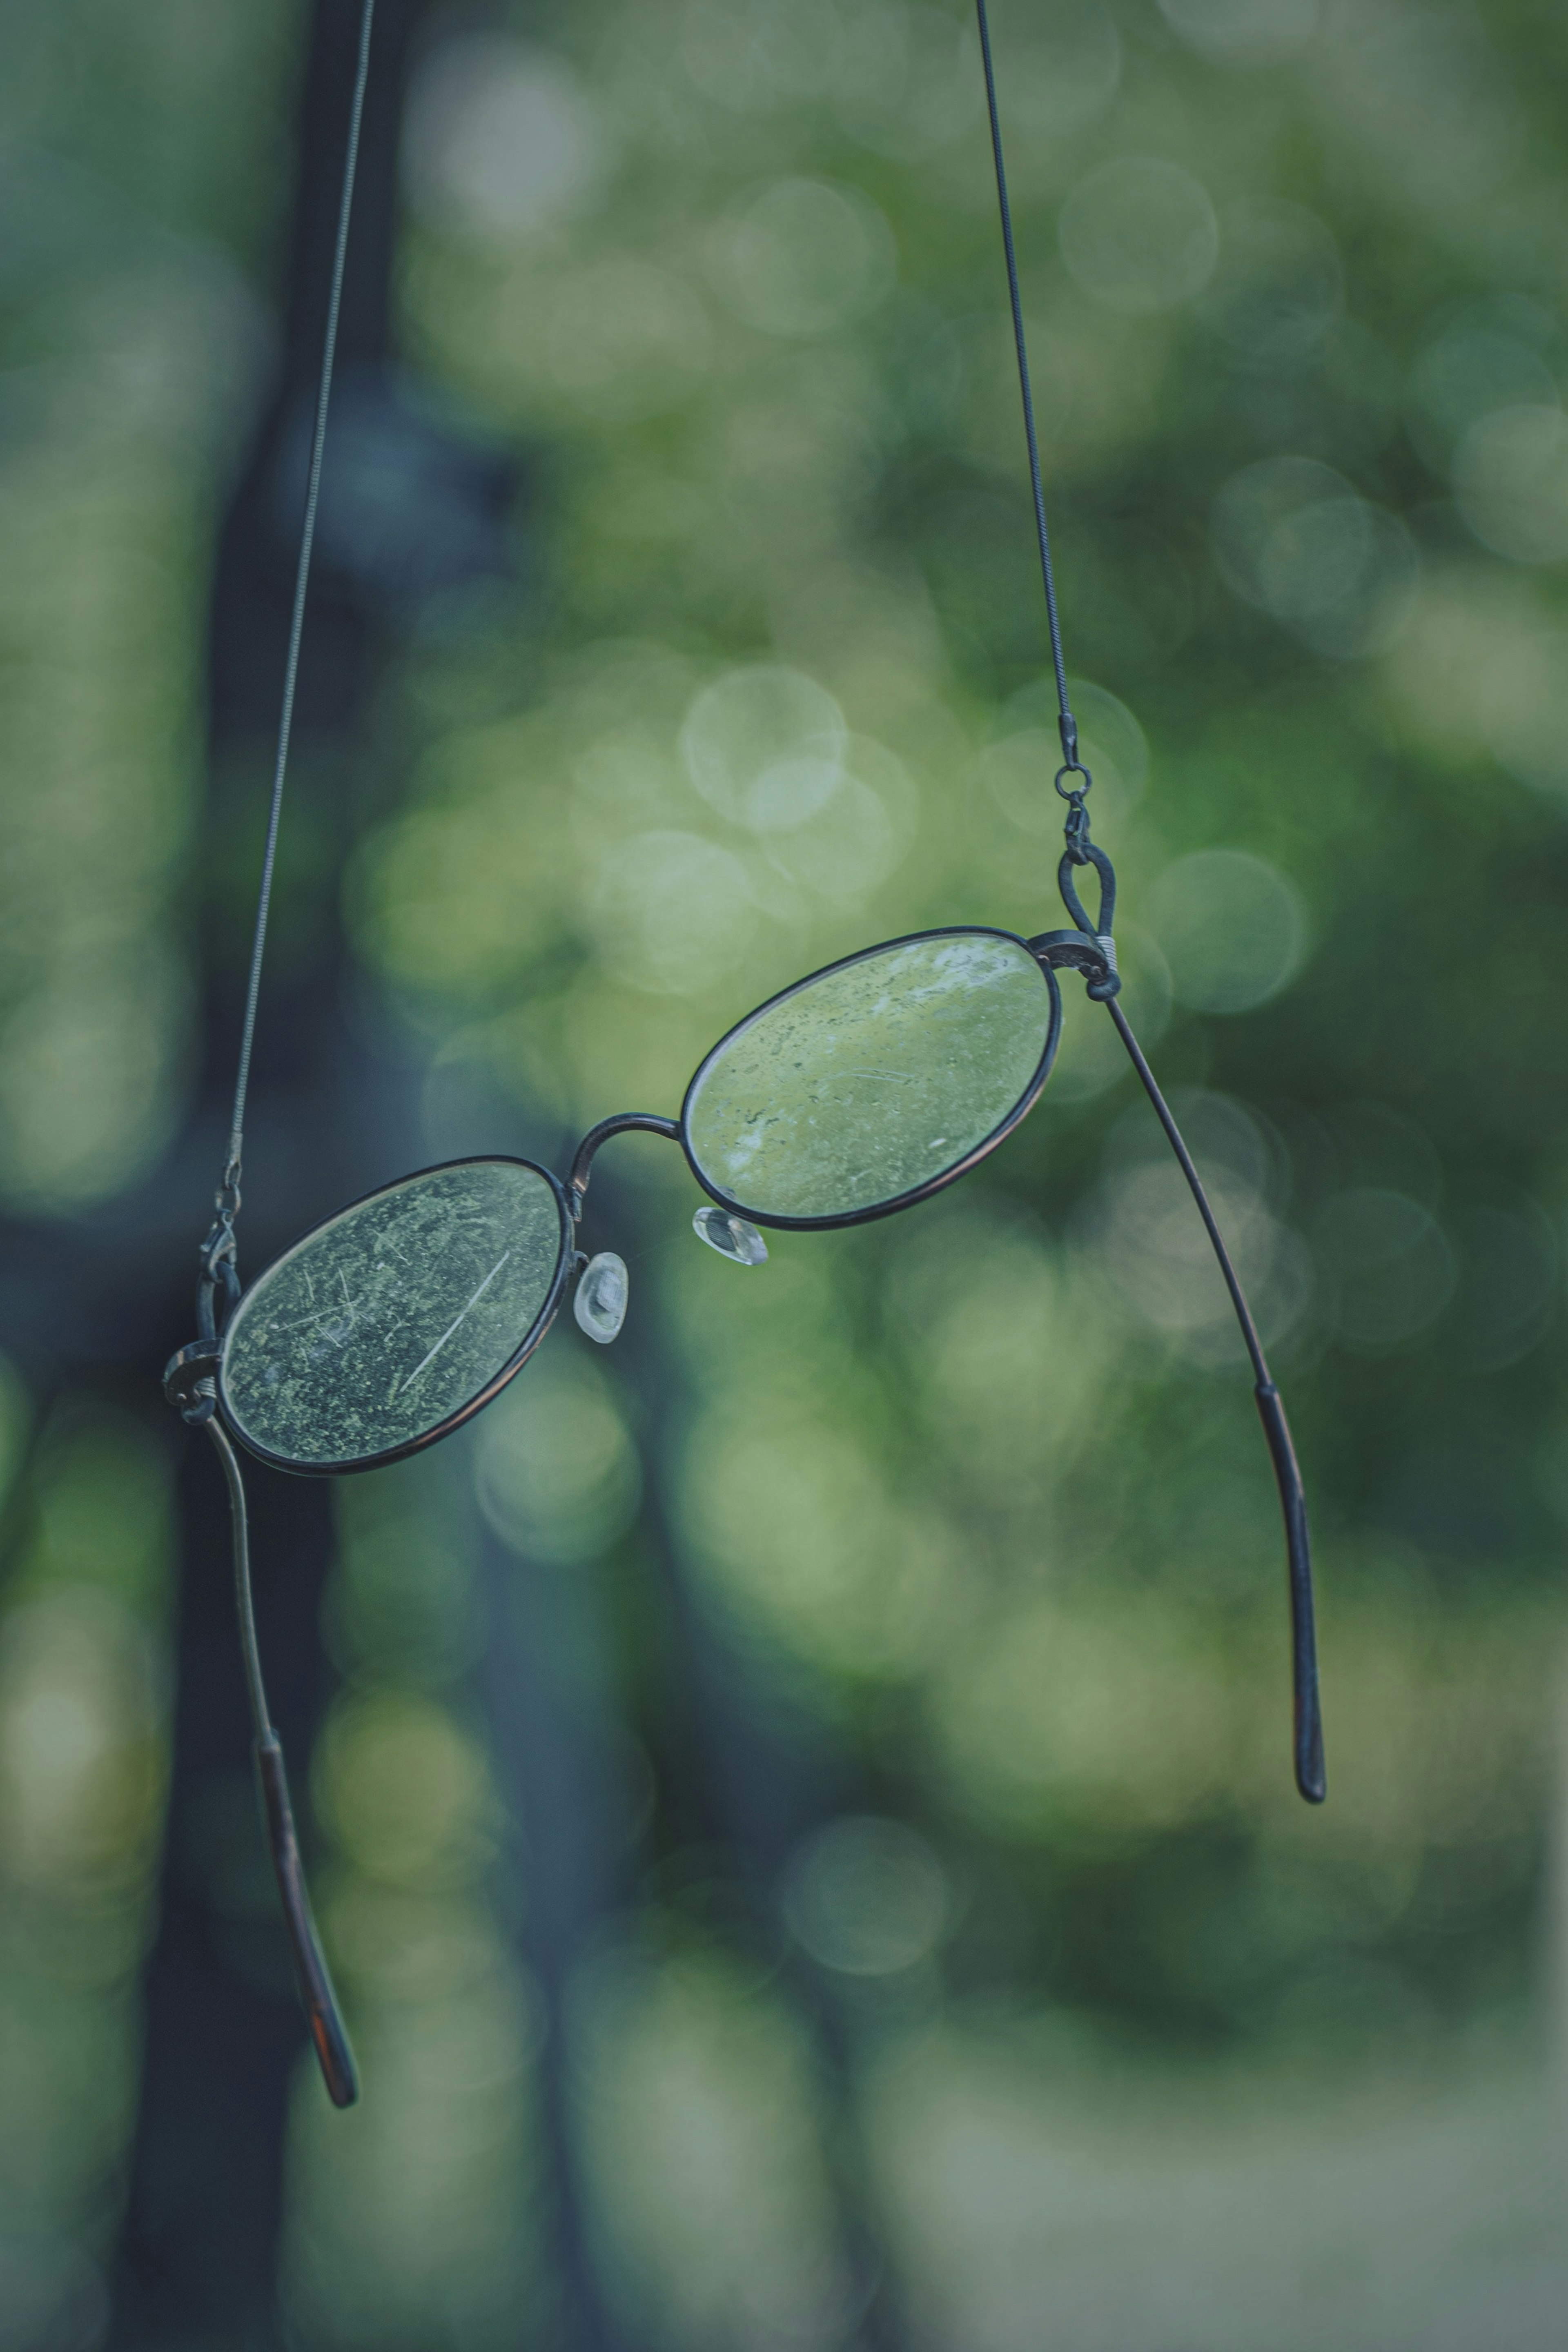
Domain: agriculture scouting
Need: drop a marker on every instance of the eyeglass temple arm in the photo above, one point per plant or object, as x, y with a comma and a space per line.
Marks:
317, 1997
1309, 1725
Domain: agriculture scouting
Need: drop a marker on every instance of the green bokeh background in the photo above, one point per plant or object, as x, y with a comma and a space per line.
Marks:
1137, 2050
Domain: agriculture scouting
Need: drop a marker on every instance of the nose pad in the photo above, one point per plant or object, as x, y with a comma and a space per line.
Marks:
600, 1305
731, 1236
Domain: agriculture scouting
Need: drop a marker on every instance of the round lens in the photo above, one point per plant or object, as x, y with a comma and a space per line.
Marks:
382, 1328
873, 1080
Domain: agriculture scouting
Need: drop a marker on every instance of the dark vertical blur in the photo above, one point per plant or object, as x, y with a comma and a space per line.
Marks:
223, 2029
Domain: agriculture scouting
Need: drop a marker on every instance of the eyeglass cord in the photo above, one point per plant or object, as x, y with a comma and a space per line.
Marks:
1066, 724
190, 1379
220, 1242
1104, 986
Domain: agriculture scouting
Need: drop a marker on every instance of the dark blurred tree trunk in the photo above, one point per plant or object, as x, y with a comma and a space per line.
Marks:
223, 2034
741, 1770
571, 1847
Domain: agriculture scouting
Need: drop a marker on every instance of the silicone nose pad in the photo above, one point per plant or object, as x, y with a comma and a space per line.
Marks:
731, 1236
600, 1305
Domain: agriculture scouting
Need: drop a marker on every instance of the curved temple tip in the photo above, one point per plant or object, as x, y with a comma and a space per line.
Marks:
334, 2056
1311, 1778
317, 1998
310, 1973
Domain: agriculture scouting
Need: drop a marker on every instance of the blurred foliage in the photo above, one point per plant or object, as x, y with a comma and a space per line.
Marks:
132, 346
83, 1770
988, 1476
980, 1490
140, 189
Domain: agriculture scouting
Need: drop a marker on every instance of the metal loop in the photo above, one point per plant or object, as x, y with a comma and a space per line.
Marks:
1109, 984
1084, 852
1073, 951
188, 1381
220, 1269
1073, 767
220, 1248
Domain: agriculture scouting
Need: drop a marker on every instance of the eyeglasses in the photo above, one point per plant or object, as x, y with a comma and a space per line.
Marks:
865, 1088
861, 1091
858, 1092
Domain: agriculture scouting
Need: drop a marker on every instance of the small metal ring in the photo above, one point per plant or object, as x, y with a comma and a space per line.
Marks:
1073, 768
1088, 853
188, 1381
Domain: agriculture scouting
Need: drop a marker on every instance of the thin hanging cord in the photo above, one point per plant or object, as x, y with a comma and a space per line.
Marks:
1066, 723
228, 1196
1309, 1728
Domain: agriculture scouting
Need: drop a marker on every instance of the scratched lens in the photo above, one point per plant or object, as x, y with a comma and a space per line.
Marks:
381, 1326
872, 1080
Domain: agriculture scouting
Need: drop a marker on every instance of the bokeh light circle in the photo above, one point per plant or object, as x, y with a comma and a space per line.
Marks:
1293, 538
499, 139
1231, 927
1279, 285
1242, 32
1140, 234
805, 257
559, 1479
1395, 1266
1510, 476
671, 911
1498, 353
766, 746
866, 1896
